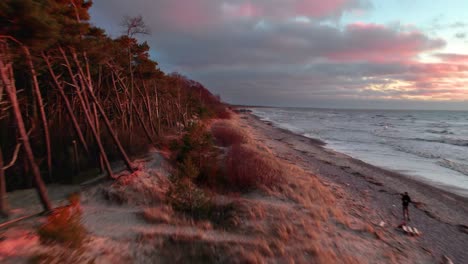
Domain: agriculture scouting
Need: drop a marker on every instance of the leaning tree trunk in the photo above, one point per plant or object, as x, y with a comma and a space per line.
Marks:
11, 92
89, 88
85, 110
68, 106
37, 91
3, 198
139, 116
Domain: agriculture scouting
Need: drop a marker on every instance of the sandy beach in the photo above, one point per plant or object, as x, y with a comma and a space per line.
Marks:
373, 194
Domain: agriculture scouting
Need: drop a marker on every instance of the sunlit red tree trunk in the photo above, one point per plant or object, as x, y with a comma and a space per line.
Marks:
40, 104
89, 88
10, 88
3, 199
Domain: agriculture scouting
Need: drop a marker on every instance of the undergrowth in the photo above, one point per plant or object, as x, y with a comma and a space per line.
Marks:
227, 135
64, 226
202, 168
184, 196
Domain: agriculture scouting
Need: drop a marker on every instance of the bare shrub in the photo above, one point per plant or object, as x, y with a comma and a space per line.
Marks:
223, 113
220, 111
184, 196
227, 134
64, 226
247, 168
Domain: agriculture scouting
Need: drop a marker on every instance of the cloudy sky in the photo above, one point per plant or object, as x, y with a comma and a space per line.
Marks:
311, 53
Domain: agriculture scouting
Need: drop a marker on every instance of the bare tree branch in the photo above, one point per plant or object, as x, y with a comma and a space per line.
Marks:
14, 157
134, 26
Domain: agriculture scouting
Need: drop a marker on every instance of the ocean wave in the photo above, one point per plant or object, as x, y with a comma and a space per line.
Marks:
411, 150
440, 125
440, 132
449, 141
456, 166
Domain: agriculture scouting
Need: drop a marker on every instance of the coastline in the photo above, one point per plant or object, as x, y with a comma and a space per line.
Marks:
440, 215
412, 180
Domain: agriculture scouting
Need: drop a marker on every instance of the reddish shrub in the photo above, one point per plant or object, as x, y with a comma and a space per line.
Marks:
248, 168
224, 113
227, 135
64, 225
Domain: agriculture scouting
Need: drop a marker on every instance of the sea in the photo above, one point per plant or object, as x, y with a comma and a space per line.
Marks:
428, 146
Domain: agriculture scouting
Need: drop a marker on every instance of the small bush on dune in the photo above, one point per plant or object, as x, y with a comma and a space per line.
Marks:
195, 155
187, 169
228, 135
223, 113
64, 226
194, 144
247, 168
184, 196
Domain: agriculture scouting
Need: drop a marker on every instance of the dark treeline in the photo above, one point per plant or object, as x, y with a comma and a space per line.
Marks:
73, 99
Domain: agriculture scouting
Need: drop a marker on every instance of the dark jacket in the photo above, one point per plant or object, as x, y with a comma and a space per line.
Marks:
405, 200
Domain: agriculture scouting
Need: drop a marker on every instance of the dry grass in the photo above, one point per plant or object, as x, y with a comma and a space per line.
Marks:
61, 255
198, 248
138, 188
247, 168
226, 134
158, 215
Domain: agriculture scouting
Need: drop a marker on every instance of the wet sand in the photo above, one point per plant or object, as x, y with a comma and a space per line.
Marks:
373, 193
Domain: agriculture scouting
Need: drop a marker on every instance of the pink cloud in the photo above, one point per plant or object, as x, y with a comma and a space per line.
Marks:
320, 8
378, 43
187, 15
454, 58
440, 81
199, 13
243, 10
281, 9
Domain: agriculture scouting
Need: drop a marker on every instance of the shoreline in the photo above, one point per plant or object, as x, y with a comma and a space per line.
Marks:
441, 216
400, 176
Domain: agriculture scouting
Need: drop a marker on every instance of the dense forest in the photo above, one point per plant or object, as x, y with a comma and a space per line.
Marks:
73, 99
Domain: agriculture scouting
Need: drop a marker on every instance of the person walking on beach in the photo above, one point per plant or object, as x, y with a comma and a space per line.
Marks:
405, 200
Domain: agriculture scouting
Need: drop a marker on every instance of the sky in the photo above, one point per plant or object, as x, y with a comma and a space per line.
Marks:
388, 54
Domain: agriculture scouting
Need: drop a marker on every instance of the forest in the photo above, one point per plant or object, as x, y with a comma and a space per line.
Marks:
74, 100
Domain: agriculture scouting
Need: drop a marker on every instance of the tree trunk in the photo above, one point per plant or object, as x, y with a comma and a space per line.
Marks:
96, 120
111, 131
96, 136
37, 91
140, 117
85, 111
11, 92
68, 106
131, 86
3, 197
89, 87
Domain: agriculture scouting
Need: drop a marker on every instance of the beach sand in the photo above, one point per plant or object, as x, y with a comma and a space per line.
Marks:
373, 194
